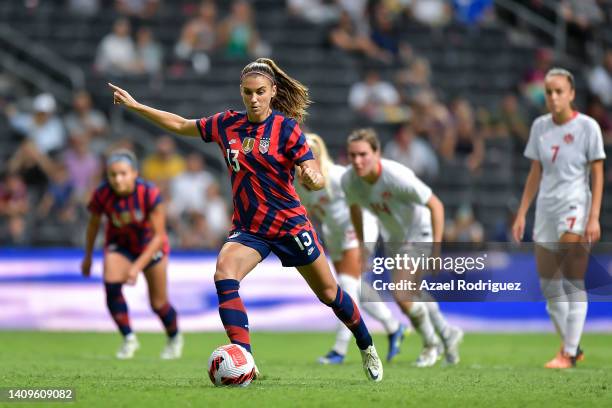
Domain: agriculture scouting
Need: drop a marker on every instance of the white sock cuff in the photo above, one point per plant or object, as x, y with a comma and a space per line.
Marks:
574, 289
417, 309
552, 289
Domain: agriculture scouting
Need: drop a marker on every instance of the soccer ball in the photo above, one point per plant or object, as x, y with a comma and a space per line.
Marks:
231, 365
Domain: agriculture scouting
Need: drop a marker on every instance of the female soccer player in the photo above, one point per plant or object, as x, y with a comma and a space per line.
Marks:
565, 148
262, 145
135, 241
409, 213
329, 207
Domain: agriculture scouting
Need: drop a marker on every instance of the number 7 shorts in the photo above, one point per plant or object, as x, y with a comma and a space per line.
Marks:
300, 249
550, 226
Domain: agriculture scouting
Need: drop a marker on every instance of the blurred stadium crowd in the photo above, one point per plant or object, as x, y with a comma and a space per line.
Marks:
450, 85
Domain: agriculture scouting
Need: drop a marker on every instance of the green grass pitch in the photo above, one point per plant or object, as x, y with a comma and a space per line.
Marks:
497, 370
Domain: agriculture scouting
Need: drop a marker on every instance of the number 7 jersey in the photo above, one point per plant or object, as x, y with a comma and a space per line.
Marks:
260, 158
565, 152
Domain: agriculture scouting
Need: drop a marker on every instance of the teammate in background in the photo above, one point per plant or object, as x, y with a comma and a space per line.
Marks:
565, 148
409, 213
135, 241
262, 146
329, 207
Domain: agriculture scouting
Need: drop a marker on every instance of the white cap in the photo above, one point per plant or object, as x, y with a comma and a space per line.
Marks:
44, 103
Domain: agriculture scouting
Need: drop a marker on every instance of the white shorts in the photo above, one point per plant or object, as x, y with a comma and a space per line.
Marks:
415, 244
339, 239
549, 227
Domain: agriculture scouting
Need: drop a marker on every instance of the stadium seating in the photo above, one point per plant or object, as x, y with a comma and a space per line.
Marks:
465, 63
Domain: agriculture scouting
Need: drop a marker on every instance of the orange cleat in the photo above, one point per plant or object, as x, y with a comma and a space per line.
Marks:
580, 354
561, 360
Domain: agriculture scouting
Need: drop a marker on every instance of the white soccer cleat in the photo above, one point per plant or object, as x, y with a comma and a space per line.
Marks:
128, 348
451, 345
371, 364
258, 375
428, 357
174, 348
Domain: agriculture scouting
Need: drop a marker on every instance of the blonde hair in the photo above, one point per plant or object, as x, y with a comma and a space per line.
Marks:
292, 97
319, 149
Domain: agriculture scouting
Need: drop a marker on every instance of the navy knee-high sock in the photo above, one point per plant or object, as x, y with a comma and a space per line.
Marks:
232, 312
167, 315
348, 312
117, 307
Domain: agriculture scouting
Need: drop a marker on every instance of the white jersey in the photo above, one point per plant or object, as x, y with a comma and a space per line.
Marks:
565, 152
397, 198
329, 206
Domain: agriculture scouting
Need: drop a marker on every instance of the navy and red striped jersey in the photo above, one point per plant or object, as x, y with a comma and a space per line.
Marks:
128, 223
260, 158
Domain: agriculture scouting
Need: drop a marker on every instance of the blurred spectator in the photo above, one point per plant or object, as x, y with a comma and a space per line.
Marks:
195, 232
464, 227
314, 11
468, 145
84, 8
472, 12
413, 152
137, 9
164, 164
42, 126
597, 111
13, 209
376, 99
116, 53
217, 213
432, 120
84, 168
384, 32
87, 122
32, 165
433, 13
59, 202
414, 79
199, 38
238, 35
514, 119
346, 37
532, 84
149, 54
188, 189
581, 17
600, 80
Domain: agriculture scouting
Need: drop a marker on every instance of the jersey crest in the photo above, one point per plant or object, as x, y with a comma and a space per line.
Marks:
247, 144
264, 145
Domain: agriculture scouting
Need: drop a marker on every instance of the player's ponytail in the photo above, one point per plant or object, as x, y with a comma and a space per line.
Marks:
319, 149
292, 98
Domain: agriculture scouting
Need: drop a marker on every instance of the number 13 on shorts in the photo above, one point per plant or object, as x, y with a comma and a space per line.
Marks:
304, 240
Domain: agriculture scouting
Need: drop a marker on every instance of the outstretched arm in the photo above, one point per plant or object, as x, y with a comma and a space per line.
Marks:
166, 120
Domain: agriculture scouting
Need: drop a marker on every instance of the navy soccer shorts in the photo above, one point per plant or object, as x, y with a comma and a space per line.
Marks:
293, 250
158, 256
